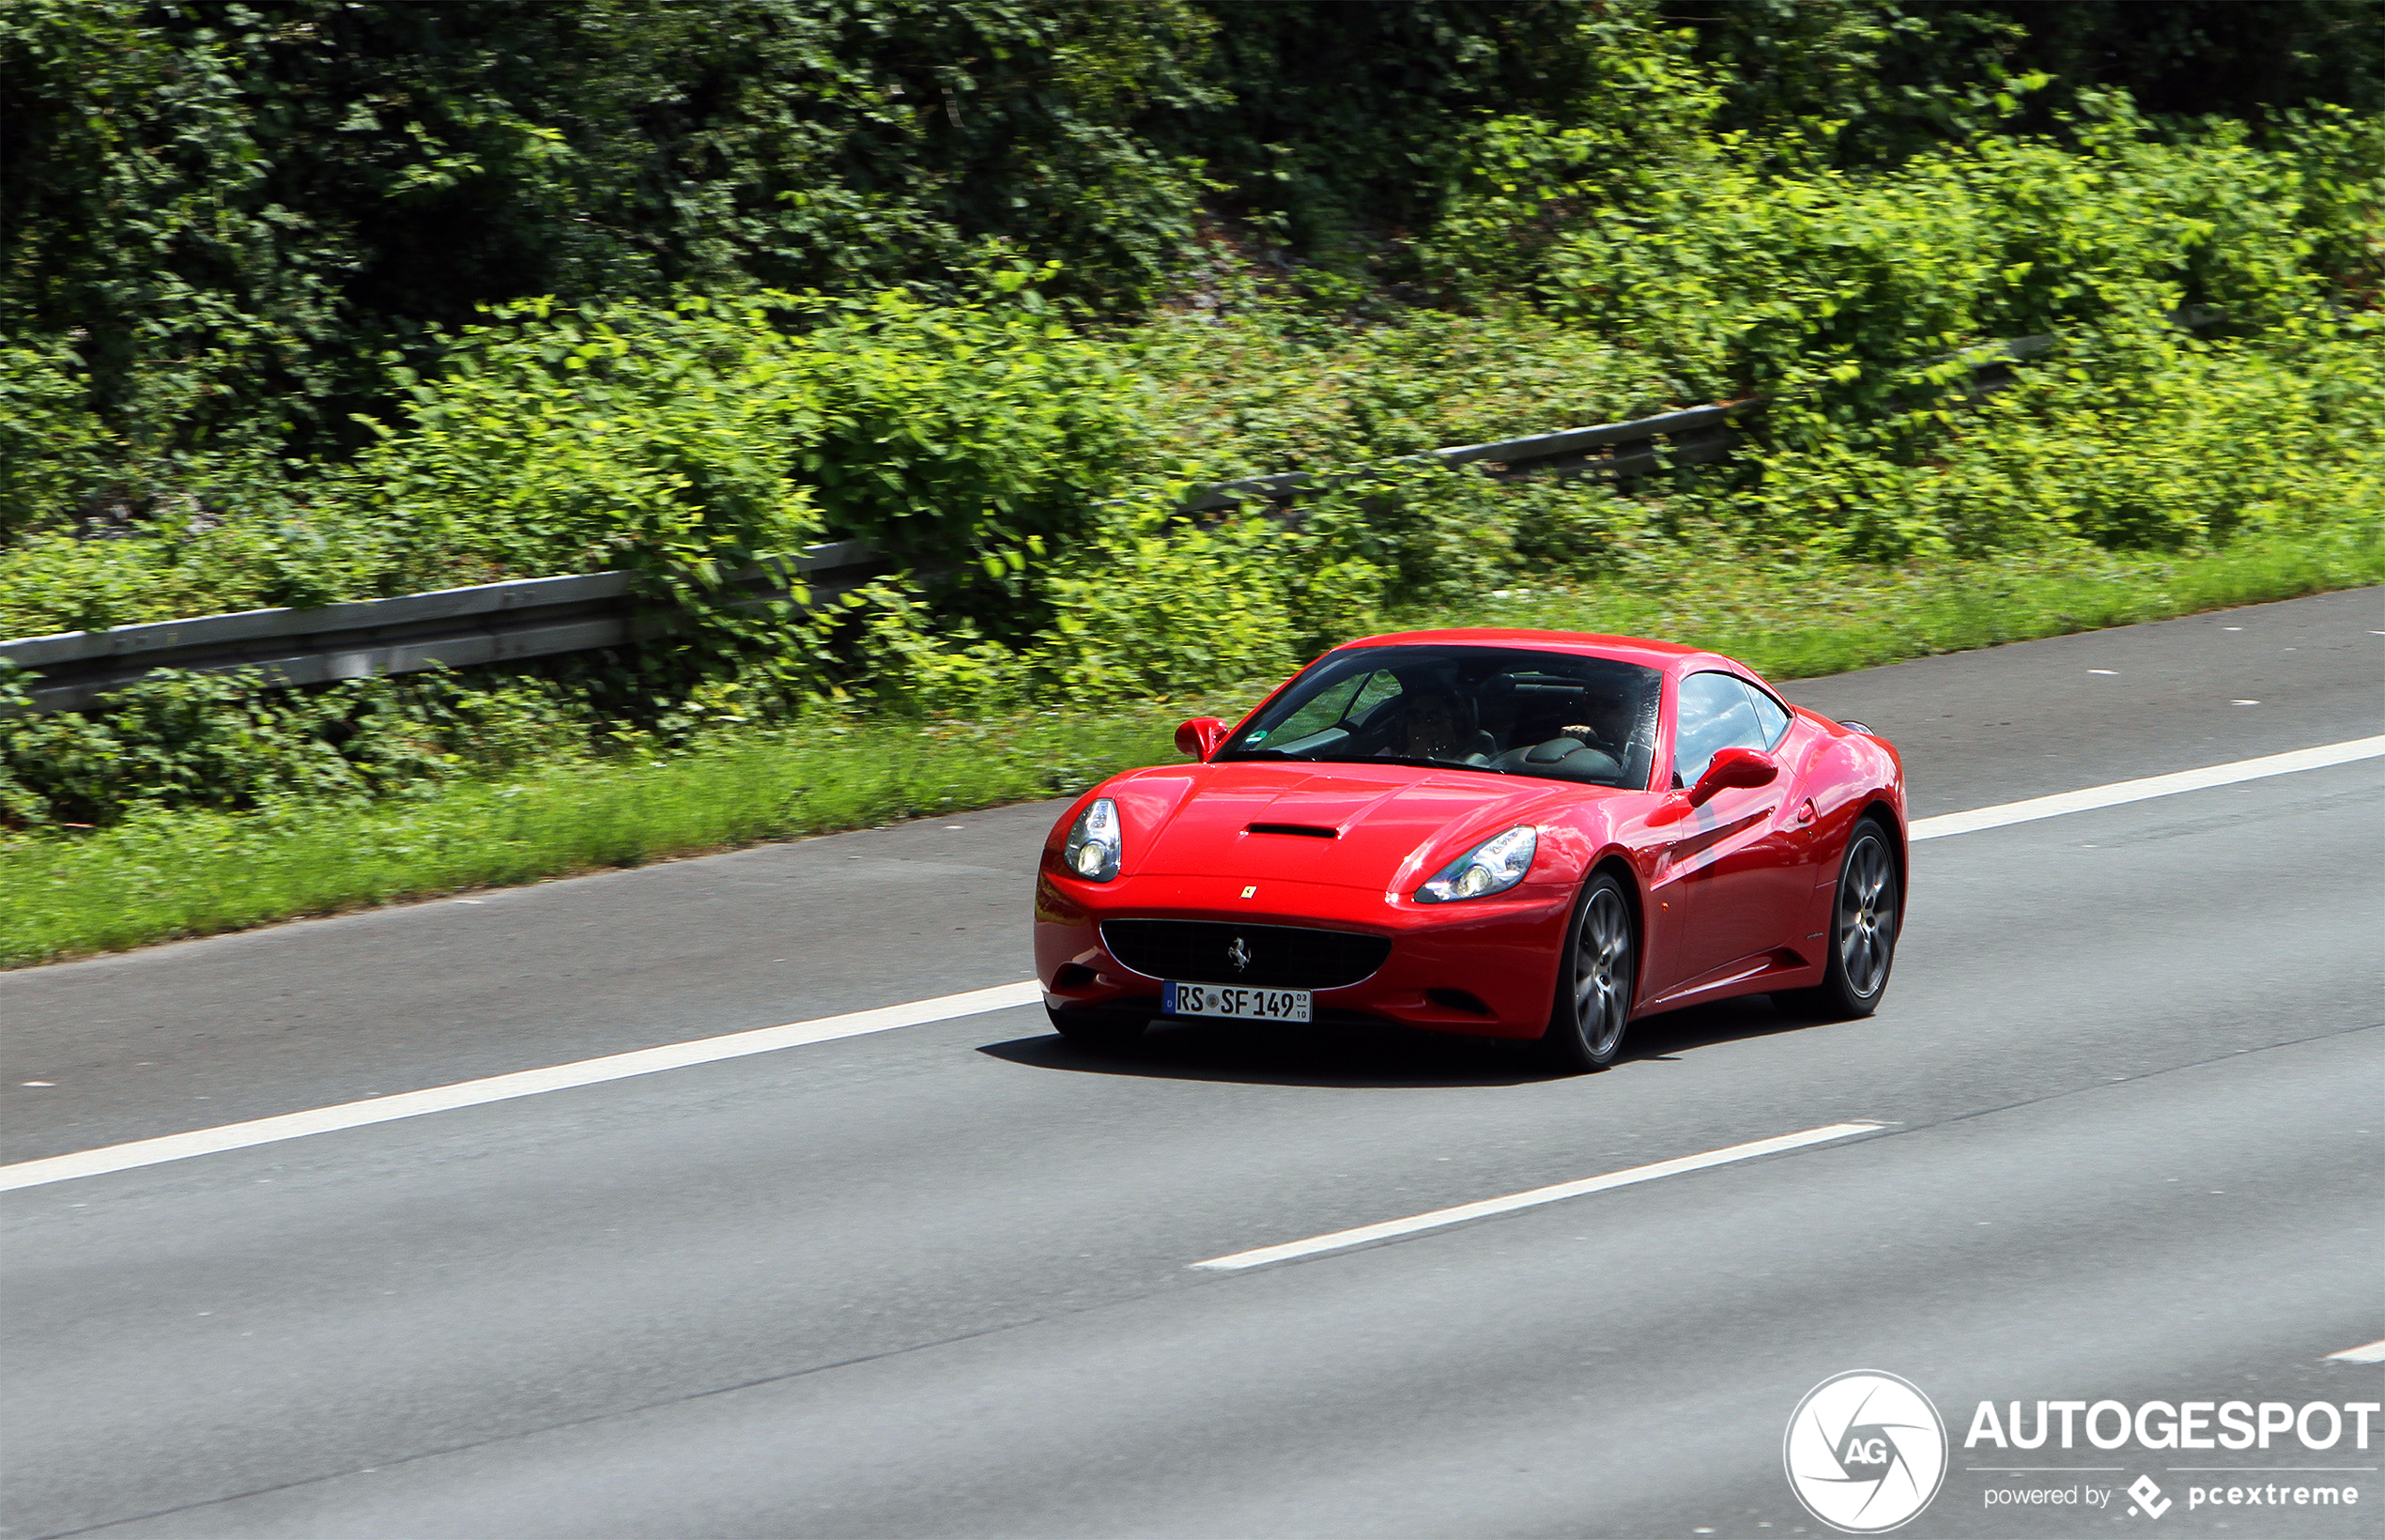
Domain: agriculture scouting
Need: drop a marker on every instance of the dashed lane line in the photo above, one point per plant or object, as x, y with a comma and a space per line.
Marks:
1392, 1230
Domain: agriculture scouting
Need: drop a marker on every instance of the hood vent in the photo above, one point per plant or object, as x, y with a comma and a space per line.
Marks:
1312, 831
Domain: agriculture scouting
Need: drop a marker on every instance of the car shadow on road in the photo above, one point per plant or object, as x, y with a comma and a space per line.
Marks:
1679, 1032
1387, 1058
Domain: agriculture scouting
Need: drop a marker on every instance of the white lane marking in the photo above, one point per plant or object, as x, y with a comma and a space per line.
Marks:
474, 1093
2151, 786
2372, 1353
1388, 1229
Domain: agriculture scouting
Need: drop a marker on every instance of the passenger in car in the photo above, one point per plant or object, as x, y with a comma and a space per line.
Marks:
1432, 726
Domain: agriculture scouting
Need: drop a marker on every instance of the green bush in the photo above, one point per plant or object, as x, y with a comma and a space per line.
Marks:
1020, 461
1744, 277
218, 741
2125, 441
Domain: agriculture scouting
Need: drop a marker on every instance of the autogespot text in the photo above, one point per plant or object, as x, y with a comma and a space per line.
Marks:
2162, 1425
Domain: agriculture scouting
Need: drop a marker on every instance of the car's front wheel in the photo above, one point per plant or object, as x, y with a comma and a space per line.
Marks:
1863, 929
1595, 983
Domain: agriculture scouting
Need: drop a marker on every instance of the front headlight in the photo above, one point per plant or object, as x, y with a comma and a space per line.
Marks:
1093, 848
1494, 866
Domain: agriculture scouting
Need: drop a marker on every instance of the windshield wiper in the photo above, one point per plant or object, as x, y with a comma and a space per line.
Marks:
1410, 758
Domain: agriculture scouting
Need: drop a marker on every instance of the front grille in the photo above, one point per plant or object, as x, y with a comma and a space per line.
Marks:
1280, 956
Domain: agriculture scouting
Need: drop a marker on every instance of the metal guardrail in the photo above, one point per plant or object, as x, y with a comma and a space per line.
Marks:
1694, 437
541, 617
453, 629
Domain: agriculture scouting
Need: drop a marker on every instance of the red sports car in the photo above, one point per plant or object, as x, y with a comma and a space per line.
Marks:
1512, 834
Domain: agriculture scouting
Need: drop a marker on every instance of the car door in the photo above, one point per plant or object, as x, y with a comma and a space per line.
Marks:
1736, 866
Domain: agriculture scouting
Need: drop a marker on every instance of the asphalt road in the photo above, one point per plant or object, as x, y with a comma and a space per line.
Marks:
936, 1281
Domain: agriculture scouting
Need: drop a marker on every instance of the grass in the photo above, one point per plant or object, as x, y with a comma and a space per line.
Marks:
161, 875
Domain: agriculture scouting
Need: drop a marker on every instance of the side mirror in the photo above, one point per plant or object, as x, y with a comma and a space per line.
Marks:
1732, 767
1200, 736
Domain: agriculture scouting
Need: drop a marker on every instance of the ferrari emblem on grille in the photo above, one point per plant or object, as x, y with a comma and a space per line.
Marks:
1239, 954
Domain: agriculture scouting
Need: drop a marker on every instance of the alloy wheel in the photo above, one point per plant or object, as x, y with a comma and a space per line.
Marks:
1603, 973
1867, 915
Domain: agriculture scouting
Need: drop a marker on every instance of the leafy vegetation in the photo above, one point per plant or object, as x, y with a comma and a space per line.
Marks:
328, 301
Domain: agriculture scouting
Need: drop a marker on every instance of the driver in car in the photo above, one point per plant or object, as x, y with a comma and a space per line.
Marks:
1432, 726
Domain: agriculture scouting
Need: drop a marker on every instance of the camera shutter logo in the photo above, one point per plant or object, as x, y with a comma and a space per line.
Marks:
1865, 1452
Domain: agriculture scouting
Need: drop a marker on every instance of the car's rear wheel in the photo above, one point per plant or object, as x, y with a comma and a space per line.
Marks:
1595, 982
1101, 1030
1863, 929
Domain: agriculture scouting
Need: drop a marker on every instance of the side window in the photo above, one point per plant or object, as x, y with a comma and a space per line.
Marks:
1716, 712
1770, 715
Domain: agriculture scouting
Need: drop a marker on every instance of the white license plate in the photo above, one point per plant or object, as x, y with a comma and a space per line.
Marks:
1237, 1001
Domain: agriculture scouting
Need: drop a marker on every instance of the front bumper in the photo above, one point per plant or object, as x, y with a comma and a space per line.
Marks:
1487, 967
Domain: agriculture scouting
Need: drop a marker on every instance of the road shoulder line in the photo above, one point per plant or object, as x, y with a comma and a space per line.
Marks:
475, 1093
2122, 792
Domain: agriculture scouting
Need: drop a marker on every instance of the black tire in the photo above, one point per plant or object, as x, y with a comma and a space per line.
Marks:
1596, 979
1863, 930
1103, 1031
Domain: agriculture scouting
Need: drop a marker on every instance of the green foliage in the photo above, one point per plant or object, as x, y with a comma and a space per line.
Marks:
1151, 609
235, 208
217, 741
228, 215
1269, 387
53, 447
618, 436
1744, 278
1875, 81
2097, 442
326, 302
969, 437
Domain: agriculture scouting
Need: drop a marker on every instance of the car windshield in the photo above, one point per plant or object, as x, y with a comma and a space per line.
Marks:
1498, 710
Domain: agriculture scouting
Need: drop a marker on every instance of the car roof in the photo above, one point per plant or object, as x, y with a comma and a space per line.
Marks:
1640, 650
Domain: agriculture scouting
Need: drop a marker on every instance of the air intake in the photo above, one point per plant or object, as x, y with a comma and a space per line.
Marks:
1311, 831
1270, 956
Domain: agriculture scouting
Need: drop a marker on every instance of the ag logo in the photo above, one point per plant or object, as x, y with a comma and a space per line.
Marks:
1865, 1452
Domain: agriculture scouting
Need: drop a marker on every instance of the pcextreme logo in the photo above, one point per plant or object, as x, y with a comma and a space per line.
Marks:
1865, 1452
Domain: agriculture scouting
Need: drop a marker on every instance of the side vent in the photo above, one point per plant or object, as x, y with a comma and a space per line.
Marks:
1310, 831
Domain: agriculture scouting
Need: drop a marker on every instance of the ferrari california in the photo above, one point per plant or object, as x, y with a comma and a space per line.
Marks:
1512, 834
